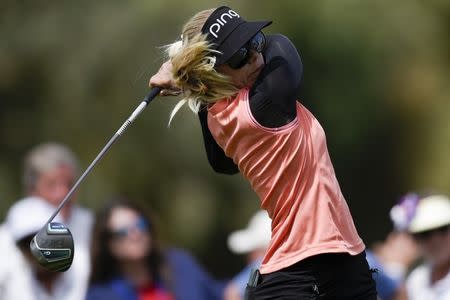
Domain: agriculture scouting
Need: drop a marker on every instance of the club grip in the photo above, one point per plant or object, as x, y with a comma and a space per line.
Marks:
153, 93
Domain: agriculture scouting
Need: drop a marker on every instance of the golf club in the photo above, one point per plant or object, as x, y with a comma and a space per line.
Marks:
53, 245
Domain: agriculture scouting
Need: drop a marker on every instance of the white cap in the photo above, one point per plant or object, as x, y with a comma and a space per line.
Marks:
403, 212
432, 212
28, 216
255, 236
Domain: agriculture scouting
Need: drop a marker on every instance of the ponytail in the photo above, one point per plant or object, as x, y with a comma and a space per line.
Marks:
193, 60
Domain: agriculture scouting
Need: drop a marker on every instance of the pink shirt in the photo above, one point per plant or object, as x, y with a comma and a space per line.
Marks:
290, 169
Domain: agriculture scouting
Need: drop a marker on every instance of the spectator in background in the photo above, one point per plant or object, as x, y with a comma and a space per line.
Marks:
7, 266
393, 257
22, 277
50, 171
253, 242
430, 227
127, 262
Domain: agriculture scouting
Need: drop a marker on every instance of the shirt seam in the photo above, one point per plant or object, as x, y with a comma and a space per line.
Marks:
282, 129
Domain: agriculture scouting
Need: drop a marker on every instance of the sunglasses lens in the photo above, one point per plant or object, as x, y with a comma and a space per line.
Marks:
141, 225
258, 42
120, 233
239, 58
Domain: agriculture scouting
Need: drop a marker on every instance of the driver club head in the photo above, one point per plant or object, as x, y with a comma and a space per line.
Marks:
53, 248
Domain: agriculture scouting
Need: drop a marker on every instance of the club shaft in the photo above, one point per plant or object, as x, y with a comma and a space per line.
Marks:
153, 93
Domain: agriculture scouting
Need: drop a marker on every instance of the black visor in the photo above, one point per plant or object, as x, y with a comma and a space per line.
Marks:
228, 32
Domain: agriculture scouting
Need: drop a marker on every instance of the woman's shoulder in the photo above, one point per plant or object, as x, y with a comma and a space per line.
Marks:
277, 38
280, 46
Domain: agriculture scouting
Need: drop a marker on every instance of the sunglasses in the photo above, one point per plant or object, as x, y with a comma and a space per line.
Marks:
241, 57
425, 235
141, 224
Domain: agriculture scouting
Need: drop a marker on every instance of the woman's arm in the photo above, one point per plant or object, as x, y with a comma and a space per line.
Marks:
273, 97
216, 156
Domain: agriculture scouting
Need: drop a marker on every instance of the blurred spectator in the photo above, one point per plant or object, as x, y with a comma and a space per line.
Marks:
253, 242
127, 262
393, 257
7, 265
22, 277
50, 170
430, 227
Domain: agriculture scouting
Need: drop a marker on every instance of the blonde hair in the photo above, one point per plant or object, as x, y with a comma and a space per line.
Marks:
193, 60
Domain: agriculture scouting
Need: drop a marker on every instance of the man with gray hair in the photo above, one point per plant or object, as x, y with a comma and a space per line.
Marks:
50, 170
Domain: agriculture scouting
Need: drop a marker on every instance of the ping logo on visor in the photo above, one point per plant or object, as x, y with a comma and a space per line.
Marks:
221, 21
228, 32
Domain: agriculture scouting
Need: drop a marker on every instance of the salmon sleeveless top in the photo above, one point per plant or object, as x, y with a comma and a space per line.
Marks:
290, 170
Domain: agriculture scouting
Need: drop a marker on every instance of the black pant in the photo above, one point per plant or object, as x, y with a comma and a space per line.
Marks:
324, 276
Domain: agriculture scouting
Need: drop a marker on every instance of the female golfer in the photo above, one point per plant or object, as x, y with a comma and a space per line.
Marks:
244, 87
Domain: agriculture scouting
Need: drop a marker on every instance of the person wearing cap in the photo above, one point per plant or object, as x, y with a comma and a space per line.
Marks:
393, 257
244, 86
23, 277
430, 227
50, 170
251, 241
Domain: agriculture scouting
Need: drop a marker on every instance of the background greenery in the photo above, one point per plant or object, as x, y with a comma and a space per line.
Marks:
376, 74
